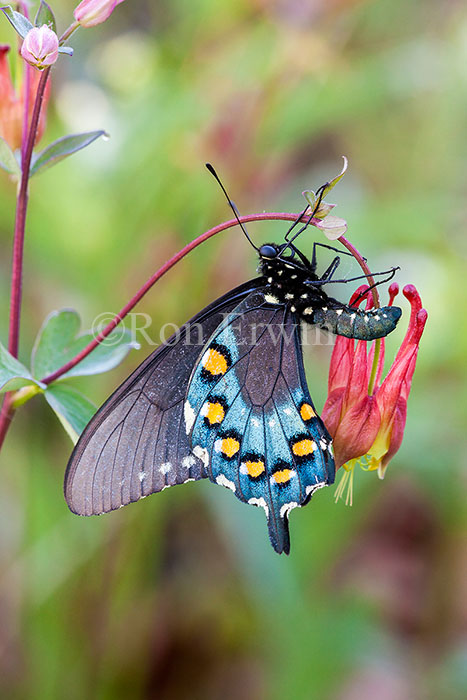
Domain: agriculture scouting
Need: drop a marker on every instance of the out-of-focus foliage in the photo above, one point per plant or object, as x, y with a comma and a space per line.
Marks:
181, 595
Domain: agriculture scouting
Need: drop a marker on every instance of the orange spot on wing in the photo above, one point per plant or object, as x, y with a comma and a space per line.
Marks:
282, 476
230, 446
254, 469
303, 447
215, 413
214, 362
306, 411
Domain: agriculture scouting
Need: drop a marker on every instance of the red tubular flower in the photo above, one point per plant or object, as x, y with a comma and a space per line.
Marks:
12, 104
371, 425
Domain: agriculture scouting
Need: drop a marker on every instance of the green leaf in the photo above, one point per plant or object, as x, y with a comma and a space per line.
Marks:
333, 227
310, 197
7, 159
62, 148
72, 408
19, 21
13, 374
329, 185
45, 16
58, 342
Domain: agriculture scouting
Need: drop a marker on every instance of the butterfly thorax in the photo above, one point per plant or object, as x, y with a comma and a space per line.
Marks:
291, 282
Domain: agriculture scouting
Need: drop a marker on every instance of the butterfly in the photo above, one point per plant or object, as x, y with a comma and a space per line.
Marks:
226, 398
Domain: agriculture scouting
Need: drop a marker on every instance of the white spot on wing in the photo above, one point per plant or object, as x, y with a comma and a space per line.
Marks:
165, 468
338, 312
223, 481
255, 422
271, 299
261, 503
314, 487
188, 461
288, 411
189, 417
287, 507
272, 423
142, 476
289, 296
202, 454
323, 444
308, 311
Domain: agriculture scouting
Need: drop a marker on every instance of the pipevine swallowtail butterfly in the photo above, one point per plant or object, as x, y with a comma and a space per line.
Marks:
226, 398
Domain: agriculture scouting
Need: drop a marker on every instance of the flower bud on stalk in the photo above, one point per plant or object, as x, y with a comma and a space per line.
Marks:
92, 12
40, 47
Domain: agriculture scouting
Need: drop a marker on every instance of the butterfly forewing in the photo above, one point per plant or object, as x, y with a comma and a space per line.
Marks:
250, 416
136, 444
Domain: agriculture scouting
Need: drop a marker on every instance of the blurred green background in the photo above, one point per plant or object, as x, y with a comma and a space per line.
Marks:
181, 595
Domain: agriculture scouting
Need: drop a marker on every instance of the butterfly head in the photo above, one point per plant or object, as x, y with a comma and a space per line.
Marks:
269, 251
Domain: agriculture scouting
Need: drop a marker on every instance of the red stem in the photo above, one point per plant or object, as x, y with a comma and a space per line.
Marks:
20, 222
7, 410
362, 262
271, 216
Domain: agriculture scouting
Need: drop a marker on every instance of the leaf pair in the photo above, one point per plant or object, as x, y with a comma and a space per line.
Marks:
57, 343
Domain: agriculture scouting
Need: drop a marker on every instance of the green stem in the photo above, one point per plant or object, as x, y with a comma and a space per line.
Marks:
68, 32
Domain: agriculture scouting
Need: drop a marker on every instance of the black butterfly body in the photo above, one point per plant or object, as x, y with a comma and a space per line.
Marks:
225, 398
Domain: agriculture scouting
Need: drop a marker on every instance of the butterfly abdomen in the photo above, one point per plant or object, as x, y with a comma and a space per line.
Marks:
356, 323
302, 291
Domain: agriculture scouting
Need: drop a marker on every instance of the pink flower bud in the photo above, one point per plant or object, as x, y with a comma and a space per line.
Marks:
92, 12
40, 47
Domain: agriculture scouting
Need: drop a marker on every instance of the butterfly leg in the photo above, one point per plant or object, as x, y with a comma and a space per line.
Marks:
390, 274
328, 273
329, 247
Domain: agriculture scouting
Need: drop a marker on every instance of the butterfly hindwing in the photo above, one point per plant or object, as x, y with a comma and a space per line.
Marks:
250, 417
136, 444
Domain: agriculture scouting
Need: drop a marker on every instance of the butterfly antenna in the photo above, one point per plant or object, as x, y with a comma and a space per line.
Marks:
231, 204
